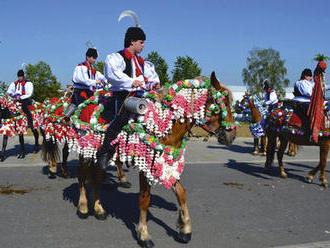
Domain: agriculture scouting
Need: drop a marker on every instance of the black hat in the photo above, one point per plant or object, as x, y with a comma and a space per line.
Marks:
134, 33
305, 73
92, 52
265, 84
20, 73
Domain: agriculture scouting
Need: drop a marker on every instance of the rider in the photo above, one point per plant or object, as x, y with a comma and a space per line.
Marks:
128, 75
270, 94
21, 91
85, 81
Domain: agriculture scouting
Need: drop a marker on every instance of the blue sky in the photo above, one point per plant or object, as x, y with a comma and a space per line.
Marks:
217, 34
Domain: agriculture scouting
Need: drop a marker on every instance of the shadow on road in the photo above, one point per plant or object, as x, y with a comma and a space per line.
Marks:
233, 148
13, 152
123, 205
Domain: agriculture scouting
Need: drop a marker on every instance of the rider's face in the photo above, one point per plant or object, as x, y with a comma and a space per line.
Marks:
308, 78
138, 45
20, 78
91, 60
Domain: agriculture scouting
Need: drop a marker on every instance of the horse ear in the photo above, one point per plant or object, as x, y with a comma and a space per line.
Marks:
214, 81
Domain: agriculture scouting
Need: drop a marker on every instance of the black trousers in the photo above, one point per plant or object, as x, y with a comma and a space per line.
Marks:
301, 110
78, 96
121, 120
25, 107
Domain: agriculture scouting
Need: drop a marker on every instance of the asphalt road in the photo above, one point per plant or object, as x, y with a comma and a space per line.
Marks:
232, 203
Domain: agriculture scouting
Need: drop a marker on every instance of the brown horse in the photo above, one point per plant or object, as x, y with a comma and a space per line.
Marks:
257, 130
215, 124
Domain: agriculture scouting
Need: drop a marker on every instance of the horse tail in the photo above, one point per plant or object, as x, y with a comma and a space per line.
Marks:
50, 151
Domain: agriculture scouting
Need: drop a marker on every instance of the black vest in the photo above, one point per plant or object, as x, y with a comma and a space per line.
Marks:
128, 68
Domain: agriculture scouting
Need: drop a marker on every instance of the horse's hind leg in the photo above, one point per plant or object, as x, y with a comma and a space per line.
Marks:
123, 179
21, 155
280, 153
65, 155
82, 209
324, 149
255, 146
263, 144
97, 179
4, 146
184, 223
144, 237
271, 145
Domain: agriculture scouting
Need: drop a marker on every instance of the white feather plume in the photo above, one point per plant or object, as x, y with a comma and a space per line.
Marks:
131, 14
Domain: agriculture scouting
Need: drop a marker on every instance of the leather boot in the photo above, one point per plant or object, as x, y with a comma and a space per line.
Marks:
103, 160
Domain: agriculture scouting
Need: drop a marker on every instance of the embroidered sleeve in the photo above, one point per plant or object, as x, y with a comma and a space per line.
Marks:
28, 90
114, 71
151, 74
11, 89
80, 76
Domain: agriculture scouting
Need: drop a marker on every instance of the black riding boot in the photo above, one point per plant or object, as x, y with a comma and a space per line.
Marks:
36, 138
103, 159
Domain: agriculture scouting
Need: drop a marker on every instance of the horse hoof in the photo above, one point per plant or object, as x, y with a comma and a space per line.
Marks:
309, 180
65, 175
146, 244
184, 237
125, 185
2, 158
51, 175
324, 185
101, 216
36, 149
255, 153
21, 156
82, 215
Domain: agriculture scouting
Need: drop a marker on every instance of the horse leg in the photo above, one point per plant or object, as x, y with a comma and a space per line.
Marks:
256, 146
144, 237
97, 179
271, 137
21, 155
82, 209
52, 169
65, 155
264, 145
184, 223
4, 146
280, 153
36, 140
324, 149
123, 179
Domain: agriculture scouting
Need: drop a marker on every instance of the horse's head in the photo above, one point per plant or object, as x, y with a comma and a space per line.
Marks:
247, 102
219, 118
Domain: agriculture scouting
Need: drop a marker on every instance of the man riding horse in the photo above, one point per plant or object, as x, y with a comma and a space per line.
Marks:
129, 75
21, 91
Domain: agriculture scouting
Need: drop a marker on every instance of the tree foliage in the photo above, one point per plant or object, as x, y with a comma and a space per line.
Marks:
3, 87
160, 66
185, 68
99, 66
44, 82
265, 64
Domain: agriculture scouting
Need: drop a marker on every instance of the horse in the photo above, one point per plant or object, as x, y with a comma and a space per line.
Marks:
155, 144
58, 129
14, 122
257, 124
286, 125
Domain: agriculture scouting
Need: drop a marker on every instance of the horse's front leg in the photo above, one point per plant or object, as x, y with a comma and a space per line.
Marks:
263, 144
184, 223
255, 146
82, 209
97, 179
280, 153
144, 237
65, 155
21, 155
4, 146
122, 178
324, 149
271, 144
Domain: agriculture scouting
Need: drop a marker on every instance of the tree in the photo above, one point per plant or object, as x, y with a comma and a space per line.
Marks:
160, 66
44, 82
265, 64
3, 87
185, 68
99, 66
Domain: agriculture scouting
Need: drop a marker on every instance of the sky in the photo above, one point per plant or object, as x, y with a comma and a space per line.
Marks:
217, 34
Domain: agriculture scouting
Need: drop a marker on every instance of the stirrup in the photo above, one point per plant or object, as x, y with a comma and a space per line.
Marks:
70, 111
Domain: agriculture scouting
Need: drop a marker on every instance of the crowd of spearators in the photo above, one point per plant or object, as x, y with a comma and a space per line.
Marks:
126, 73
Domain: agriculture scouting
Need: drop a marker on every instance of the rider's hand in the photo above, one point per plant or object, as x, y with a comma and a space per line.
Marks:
156, 86
18, 97
137, 84
98, 82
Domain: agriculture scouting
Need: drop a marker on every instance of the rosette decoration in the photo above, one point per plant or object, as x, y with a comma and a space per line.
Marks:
18, 124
